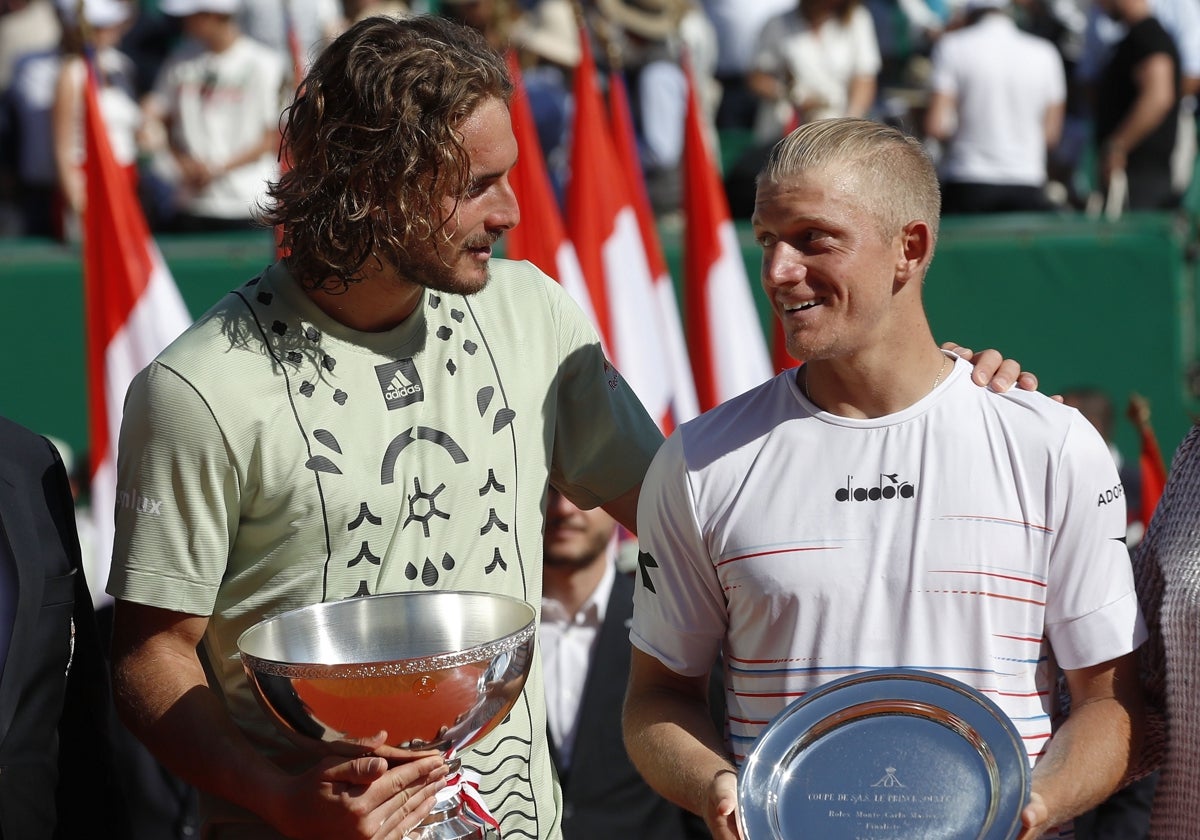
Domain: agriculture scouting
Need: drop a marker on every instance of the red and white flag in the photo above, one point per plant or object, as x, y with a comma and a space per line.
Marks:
604, 226
684, 405
725, 336
132, 311
543, 239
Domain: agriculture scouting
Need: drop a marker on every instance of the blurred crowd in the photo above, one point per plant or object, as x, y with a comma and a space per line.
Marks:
1025, 104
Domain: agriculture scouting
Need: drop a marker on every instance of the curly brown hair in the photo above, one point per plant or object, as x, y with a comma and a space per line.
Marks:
371, 145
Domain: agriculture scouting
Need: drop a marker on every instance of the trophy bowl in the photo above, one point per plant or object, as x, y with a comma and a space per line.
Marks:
436, 670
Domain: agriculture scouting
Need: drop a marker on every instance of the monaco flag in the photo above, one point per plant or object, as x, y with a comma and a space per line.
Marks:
543, 241
684, 405
725, 336
133, 310
603, 225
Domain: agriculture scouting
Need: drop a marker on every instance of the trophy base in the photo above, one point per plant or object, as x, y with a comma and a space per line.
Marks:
448, 822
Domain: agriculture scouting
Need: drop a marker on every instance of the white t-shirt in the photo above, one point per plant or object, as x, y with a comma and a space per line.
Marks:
1003, 81
820, 62
220, 104
968, 535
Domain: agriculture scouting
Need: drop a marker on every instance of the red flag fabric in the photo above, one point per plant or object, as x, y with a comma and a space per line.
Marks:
603, 224
132, 311
1153, 472
684, 405
725, 336
543, 239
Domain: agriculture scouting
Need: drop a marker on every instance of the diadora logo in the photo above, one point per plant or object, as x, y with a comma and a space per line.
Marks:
889, 486
133, 500
400, 383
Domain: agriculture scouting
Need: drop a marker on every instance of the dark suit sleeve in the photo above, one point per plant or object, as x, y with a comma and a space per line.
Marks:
58, 777
89, 794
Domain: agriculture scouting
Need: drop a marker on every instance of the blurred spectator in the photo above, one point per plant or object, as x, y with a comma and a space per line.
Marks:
148, 41
1136, 109
295, 29
906, 30
647, 39
28, 146
818, 60
587, 605
219, 96
997, 101
30, 35
106, 21
26, 26
1103, 30
492, 18
355, 10
1062, 23
546, 38
738, 25
1181, 20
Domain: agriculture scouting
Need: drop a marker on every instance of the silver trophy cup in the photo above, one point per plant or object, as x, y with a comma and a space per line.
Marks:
436, 670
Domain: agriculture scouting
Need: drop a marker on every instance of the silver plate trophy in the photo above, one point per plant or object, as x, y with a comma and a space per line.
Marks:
892, 754
437, 670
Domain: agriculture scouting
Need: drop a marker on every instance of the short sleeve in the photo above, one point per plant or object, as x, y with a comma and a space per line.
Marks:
1092, 615
603, 437
177, 497
679, 607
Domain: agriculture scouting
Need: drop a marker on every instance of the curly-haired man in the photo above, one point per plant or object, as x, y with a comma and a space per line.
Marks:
369, 415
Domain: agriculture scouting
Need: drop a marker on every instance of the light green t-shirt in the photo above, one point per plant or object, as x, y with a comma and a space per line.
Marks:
271, 458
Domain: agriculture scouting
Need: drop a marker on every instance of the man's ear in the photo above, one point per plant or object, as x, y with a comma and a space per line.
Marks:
915, 252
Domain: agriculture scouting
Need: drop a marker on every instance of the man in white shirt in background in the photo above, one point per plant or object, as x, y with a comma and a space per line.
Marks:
997, 101
219, 95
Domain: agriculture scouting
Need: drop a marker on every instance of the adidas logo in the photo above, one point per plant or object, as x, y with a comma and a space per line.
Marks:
400, 383
401, 387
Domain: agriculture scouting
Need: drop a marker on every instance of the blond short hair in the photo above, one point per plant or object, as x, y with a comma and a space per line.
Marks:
897, 179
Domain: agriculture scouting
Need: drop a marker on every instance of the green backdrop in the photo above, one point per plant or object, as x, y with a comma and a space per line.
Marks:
1076, 301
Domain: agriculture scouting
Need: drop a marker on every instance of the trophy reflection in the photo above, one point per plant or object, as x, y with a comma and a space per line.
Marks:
436, 670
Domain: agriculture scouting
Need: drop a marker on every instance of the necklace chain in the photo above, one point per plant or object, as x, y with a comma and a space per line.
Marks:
936, 382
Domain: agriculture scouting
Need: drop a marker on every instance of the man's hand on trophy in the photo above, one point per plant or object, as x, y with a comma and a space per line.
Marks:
369, 797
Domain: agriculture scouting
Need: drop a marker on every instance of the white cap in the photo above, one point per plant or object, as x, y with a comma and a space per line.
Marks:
550, 31
98, 13
183, 8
